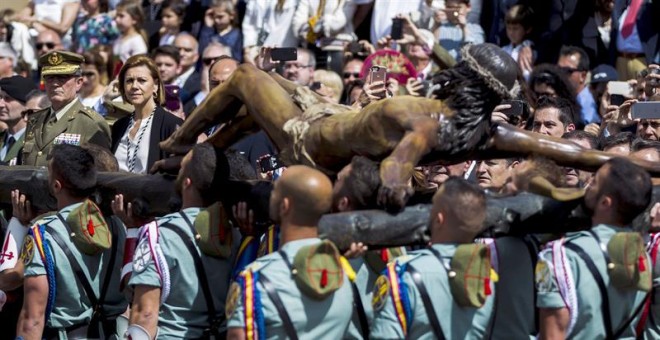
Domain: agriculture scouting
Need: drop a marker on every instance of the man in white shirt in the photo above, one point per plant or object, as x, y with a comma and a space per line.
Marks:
13, 97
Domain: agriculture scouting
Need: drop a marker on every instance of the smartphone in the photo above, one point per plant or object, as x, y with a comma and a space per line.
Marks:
619, 91
617, 99
397, 29
284, 54
354, 47
645, 110
516, 108
378, 73
172, 99
270, 163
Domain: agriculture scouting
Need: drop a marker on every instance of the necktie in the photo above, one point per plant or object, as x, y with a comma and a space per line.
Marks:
631, 17
8, 144
52, 120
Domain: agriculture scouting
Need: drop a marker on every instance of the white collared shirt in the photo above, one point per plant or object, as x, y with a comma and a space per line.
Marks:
60, 114
183, 77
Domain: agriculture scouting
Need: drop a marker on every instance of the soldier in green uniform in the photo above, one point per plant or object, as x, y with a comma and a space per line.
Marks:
67, 121
182, 264
13, 98
303, 290
66, 271
592, 284
445, 291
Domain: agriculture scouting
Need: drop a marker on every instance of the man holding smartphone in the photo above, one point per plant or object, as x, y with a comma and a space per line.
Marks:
300, 71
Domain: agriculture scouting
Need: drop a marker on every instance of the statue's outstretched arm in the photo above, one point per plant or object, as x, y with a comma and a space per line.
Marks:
509, 141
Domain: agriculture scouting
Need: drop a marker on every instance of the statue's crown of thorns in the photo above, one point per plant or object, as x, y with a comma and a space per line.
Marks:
492, 81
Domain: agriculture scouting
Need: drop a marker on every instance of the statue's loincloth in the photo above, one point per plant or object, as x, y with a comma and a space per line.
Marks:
313, 109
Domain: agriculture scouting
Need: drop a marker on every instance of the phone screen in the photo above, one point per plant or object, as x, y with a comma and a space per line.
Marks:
172, 100
284, 54
397, 29
378, 73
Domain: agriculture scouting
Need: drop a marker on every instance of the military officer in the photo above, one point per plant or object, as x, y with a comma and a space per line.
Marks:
66, 270
181, 256
591, 284
445, 291
13, 98
66, 121
302, 290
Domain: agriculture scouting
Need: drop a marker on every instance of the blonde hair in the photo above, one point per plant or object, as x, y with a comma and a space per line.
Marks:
330, 79
228, 7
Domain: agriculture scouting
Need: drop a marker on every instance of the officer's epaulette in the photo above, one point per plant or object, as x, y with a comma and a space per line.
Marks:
575, 235
166, 219
45, 218
259, 264
407, 258
90, 113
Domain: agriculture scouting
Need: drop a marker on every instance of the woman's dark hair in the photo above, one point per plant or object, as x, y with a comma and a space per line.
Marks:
552, 76
471, 97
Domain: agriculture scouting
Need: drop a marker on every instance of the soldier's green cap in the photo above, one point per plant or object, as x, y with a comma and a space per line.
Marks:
60, 63
318, 271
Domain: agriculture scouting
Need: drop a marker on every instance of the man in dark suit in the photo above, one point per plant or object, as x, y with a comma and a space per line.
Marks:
13, 97
189, 80
634, 36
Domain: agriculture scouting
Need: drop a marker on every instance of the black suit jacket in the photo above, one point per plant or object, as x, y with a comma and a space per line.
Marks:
190, 88
163, 125
647, 30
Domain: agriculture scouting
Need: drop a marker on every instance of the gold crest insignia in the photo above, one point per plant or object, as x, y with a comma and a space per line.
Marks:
28, 250
55, 59
381, 292
232, 300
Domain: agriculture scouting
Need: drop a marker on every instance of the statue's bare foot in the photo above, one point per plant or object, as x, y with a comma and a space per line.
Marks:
174, 145
394, 197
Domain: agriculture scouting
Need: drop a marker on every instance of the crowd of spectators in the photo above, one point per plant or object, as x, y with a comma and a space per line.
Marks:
567, 50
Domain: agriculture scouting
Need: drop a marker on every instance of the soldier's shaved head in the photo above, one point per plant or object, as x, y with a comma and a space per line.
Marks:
458, 213
301, 196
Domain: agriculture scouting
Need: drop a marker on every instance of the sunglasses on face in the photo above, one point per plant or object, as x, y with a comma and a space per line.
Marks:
570, 70
349, 74
48, 45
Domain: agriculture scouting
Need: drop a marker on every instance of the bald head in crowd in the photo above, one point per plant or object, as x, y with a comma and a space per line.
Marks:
221, 70
48, 40
300, 197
